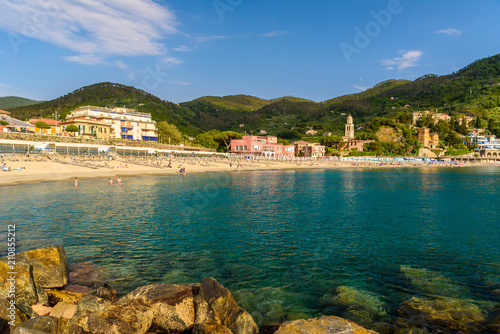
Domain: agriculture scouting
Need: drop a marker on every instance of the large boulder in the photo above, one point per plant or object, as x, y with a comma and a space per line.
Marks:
42, 324
85, 307
217, 304
440, 315
10, 313
172, 305
49, 266
132, 317
25, 289
323, 325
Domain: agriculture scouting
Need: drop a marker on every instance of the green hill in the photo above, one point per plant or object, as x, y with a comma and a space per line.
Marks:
474, 90
9, 102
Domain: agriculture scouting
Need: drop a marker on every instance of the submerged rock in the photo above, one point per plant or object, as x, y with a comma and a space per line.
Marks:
440, 315
357, 305
102, 291
272, 304
323, 325
431, 283
85, 273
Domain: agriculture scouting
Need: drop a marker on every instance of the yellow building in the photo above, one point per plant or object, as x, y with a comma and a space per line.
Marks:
429, 140
89, 128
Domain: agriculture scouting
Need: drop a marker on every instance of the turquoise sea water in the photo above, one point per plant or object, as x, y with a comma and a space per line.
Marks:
283, 242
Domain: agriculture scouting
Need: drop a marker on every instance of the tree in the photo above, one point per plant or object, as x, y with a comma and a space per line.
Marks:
491, 125
289, 135
42, 125
331, 141
72, 128
169, 132
478, 122
2, 122
224, 139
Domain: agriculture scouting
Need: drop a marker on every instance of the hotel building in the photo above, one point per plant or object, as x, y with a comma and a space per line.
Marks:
108, 123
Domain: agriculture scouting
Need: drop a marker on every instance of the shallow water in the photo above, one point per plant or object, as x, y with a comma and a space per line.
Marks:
283, 242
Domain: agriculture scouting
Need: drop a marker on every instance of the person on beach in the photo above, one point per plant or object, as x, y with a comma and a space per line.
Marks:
119, 180
110, 182
76, 182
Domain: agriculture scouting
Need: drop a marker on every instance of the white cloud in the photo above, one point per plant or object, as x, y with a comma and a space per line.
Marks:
362, 88
210, 38
180, 83
450, 31
182, 48
274, 33
3, 85
167, 62
87, 59
409, 59
94, 29
121, 65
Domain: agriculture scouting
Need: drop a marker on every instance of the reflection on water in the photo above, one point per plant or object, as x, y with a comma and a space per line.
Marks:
284, 242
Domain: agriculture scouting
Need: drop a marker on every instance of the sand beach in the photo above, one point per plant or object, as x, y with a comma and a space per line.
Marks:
26, 170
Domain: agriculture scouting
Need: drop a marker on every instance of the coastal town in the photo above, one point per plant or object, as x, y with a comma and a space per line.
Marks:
98, 124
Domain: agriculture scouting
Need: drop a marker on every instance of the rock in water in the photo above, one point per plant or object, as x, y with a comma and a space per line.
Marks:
49, 266
323, 325
440, 315
359, 306
172, 305
217, 304
102, 291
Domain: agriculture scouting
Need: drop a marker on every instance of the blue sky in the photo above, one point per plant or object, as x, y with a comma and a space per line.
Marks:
179, 50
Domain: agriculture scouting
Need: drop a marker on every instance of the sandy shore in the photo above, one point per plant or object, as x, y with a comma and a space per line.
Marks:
47, 170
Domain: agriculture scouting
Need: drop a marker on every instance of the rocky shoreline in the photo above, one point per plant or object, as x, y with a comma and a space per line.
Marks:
45, 299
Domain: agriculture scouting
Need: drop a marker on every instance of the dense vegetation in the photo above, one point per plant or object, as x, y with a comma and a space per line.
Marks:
472, 91
9, 102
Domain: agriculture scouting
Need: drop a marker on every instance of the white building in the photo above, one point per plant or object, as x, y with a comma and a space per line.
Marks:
125, 123
485, 142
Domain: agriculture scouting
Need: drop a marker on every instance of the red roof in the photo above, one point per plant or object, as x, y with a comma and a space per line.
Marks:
5, 112
49, 121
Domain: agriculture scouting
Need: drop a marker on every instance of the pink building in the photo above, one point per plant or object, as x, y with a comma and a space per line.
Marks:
262, 146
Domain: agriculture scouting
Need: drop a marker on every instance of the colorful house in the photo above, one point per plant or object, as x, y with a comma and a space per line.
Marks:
54, 126
306, 149
123, 122
267, 146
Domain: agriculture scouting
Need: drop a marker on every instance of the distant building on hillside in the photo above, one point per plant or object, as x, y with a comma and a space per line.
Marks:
123, 123
417, 115
311, 132
429, 140
267, 146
